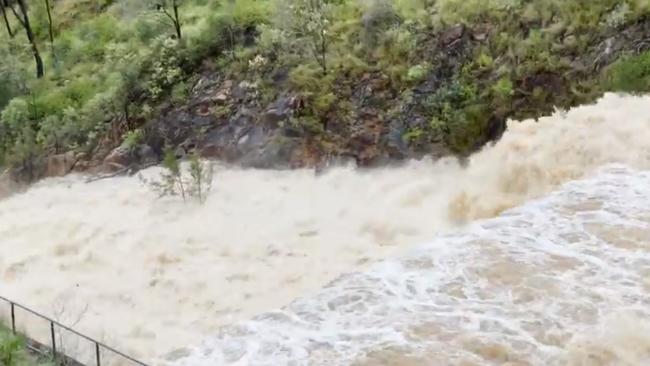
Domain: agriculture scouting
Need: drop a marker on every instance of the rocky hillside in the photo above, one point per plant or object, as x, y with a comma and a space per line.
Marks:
294, 83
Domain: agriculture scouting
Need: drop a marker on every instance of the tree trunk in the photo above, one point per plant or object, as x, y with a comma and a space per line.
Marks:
177, 21
32, 40
50, 27
4, 16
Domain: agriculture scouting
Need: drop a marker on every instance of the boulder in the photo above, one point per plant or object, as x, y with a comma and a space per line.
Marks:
120, 158
146, 155
280, 110
60, 164
275, 154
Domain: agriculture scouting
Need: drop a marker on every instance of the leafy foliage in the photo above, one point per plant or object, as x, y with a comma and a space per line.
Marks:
13, 351
114, 66
630, 74
195, 183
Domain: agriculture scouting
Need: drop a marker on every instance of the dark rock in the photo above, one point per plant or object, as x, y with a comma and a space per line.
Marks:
278, 111
395, 144
495, 128
276, 153
274, 115
254, 138
280, 76
146, 155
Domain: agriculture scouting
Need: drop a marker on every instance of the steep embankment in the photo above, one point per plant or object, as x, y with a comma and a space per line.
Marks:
266, 84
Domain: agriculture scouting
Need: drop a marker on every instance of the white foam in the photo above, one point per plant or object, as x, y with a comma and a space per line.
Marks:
517, 288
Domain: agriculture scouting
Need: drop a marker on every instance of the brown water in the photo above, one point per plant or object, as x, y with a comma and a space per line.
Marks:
152, 276
564, 280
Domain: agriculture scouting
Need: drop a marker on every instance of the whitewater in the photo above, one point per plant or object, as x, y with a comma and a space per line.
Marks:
536, 252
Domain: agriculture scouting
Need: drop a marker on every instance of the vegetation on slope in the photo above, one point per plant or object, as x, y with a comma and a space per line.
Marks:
365, 78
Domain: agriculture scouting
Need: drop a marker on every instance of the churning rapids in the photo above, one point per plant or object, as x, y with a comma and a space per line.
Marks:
536, 253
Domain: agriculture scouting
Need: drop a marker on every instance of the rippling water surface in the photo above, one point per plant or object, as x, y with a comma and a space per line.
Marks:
564, 280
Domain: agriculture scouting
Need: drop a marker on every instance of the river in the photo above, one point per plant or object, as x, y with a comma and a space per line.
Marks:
537, 252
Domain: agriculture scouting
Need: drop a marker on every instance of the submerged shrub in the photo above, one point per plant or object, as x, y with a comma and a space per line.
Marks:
195, 183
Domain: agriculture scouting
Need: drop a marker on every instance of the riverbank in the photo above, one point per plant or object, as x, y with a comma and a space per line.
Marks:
389, 80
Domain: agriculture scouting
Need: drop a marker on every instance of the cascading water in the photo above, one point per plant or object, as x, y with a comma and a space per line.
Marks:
536, 285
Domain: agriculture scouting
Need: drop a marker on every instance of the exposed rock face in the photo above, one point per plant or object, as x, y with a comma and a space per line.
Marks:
122, 158
60, 165
118, 159
371, 121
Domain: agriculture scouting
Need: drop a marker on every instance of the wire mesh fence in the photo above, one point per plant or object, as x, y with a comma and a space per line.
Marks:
50, 338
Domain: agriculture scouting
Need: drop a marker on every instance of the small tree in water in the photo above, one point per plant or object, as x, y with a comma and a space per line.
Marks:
201, 178
173, 182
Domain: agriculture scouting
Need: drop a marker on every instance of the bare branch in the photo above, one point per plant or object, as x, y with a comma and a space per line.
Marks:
13, 10
164, 10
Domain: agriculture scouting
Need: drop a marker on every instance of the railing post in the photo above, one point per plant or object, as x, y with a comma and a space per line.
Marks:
97, 353
53, 340
13, 318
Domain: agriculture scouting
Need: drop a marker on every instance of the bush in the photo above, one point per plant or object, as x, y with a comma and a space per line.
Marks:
174, 182
132, 139
14, 117
630, 74
459, 116
165, 71
180, 93
503, 89
418, 72
303, 28
13, 351
201, 174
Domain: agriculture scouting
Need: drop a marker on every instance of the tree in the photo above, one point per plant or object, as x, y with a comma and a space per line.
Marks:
50, 27
307, 24
4, 16
164, 7
23, 19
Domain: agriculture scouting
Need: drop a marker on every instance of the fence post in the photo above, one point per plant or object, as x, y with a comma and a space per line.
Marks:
13, 318
53, 340
97, 353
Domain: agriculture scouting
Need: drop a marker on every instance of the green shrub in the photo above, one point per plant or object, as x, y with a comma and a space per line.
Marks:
165, 71
418, 72
132, 139
459, 116
180, 93
503, 89
630, 74
13, 351
15, 116
201, 174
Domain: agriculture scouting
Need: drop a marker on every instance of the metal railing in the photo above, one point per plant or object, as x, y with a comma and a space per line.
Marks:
99, 346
